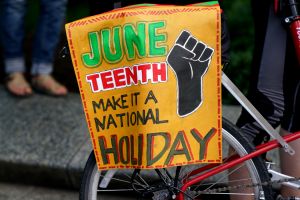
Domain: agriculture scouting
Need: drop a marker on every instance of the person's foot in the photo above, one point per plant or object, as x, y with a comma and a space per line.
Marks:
48, 85
17, 85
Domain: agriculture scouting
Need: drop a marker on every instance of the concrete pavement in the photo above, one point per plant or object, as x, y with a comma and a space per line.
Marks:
43, 139
18, 192
25, 192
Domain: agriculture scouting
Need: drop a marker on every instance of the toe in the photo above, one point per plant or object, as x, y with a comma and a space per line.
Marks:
48, 85
18, 85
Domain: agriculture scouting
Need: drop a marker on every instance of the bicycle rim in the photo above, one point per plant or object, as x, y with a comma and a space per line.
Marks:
253, 171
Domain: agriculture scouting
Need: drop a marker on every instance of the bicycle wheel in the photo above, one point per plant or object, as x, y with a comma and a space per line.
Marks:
165, 184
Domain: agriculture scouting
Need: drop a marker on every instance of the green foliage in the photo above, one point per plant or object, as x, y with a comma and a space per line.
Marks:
239, 20
77, 10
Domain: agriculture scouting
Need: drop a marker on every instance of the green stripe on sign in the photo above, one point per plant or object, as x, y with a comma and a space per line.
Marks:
209, 3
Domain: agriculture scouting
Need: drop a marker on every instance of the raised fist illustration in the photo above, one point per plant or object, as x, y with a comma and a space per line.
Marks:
189, 59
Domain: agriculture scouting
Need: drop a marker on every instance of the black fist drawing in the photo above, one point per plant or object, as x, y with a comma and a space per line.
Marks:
189, 59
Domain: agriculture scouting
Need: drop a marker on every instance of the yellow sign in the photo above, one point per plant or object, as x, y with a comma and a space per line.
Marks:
149, 79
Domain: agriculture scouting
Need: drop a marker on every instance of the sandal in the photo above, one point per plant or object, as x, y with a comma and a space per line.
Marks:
48, 85
17, 85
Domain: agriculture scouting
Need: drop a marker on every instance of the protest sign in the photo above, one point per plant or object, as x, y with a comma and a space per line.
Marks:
150, 82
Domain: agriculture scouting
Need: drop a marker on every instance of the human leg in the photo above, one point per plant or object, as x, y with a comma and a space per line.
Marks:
13, 35
290, 165
266, 88
52, 16
12, 41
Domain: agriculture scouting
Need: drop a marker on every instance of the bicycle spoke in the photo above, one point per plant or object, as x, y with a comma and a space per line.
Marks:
143, 180
135, 180
125, 181
222, 178
210, 185
235, 181
115, 190
188, 173
231, 193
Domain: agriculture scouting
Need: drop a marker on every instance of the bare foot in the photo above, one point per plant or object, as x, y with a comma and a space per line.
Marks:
17, 85
48, 85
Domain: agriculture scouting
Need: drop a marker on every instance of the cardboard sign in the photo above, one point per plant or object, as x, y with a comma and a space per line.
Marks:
149, 79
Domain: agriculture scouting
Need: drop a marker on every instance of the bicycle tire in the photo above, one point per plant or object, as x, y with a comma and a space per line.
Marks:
231, 135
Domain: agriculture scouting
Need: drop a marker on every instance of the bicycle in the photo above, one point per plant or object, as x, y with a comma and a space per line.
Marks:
205, 180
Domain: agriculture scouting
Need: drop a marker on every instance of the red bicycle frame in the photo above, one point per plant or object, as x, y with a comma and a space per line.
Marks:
294, 25
263, 148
